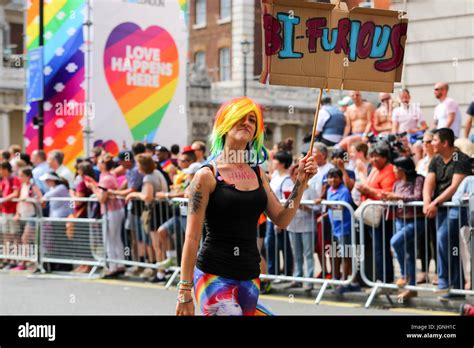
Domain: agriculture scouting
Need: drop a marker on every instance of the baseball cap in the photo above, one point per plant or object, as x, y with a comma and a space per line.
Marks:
161, 149
346, 101
193, 168
187, 149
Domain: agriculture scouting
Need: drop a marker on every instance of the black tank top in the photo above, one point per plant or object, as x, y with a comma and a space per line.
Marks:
229, 248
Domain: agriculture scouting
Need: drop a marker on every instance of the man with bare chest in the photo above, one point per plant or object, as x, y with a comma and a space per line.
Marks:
383, 115
358, 120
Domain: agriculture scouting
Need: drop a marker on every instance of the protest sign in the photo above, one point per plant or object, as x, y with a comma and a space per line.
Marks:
310, 44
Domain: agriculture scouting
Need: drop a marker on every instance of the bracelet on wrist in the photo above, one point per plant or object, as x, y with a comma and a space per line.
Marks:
182, 300
185, 283
184, 286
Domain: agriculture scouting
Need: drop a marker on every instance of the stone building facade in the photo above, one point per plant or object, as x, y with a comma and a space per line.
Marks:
439, 47
12, 73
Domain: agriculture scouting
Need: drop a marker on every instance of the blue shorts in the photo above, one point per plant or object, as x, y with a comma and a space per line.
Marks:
176, 223
137, 228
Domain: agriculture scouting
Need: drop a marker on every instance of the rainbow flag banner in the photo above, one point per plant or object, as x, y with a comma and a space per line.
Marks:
64, 95
139, 63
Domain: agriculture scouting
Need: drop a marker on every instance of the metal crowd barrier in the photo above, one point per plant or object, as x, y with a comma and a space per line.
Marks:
74, 241
19, 237
280, 258
370, 250
326, 246
43, 240
143, 238
378, 270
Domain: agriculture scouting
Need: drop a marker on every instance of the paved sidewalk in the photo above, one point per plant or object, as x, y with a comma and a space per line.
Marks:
424, 300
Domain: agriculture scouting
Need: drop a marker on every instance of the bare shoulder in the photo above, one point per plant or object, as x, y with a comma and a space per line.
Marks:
204, 178
368, 105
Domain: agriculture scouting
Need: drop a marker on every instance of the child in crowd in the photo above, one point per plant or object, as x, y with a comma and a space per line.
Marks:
340, 218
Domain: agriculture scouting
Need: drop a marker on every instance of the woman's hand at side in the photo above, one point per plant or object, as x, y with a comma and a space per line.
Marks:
200, 188
185, 308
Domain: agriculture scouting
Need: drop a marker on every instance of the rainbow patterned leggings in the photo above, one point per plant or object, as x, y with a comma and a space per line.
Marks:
223, 296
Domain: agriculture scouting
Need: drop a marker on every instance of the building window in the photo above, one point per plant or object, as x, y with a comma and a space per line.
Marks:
200, 12
225, 9
200, 59
224, 64
16, 38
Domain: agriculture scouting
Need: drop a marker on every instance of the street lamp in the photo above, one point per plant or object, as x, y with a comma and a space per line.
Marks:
245, 50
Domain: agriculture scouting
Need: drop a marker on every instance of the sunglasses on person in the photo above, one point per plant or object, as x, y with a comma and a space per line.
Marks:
385, 100
427, 141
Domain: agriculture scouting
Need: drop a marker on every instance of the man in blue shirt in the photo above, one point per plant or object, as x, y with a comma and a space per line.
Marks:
41, 167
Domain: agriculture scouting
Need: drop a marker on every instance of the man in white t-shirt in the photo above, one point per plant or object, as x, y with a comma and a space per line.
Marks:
315, 184
313, 192
407, 117
447, 113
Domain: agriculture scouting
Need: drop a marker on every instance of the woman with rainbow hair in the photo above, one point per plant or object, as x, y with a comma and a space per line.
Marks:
227, 197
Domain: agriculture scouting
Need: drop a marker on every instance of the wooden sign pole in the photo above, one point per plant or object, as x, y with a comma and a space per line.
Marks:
315, 122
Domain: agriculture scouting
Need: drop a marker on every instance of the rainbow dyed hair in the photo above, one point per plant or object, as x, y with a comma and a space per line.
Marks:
227, 116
